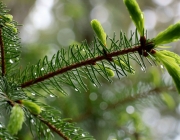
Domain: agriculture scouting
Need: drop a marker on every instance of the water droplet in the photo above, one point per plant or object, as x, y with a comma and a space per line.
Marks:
48, 130
32, 121
53, 120
161, 66
33, 93
143, 68
42, 69
51, 95
95, 85
35, 73
11, 61
75, 130
76, 89
83, 135
1, 126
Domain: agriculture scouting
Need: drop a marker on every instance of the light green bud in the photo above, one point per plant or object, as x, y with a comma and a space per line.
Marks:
136, 15
108, 70
171, 34
12, 27
16, 119
171, 62
8, 17
98, 29
124, 66
32, 107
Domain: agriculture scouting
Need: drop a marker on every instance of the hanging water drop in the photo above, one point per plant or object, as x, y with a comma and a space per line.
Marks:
161, 66
95, 85
53, 120
32, 121
83, 135
1, 126
11, 61
42, 69
51, 95
143, 68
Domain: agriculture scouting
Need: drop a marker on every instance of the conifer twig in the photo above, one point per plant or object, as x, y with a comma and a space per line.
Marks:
2, 54
128, 99
80, 64
52, 127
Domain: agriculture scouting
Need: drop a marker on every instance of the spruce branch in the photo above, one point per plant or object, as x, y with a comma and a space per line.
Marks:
80, 64
155, 91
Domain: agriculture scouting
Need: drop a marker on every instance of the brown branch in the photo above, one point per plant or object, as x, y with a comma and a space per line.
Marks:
79, 64
53, 128
2, 54
138, 96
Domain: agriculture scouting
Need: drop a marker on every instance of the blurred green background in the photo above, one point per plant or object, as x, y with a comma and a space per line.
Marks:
143, 106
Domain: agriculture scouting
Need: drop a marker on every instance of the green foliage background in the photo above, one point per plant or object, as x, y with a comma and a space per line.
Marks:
138, 107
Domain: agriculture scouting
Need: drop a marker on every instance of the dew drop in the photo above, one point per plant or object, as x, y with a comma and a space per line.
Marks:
161, 66
42, 69
83, 135
53, 120
51, 95
48, 130
1, 126
11, 61
76, 89
33, 93
143, 68
32, 121
95, 85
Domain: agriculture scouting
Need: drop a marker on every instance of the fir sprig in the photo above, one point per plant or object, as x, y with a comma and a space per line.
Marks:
70, 67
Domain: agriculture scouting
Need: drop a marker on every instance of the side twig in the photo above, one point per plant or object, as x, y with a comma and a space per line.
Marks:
53, 128
128, 99
80, 64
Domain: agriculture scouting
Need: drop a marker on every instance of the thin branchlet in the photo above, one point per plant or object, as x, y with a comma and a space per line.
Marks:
53, 128
157, 90
80, 64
